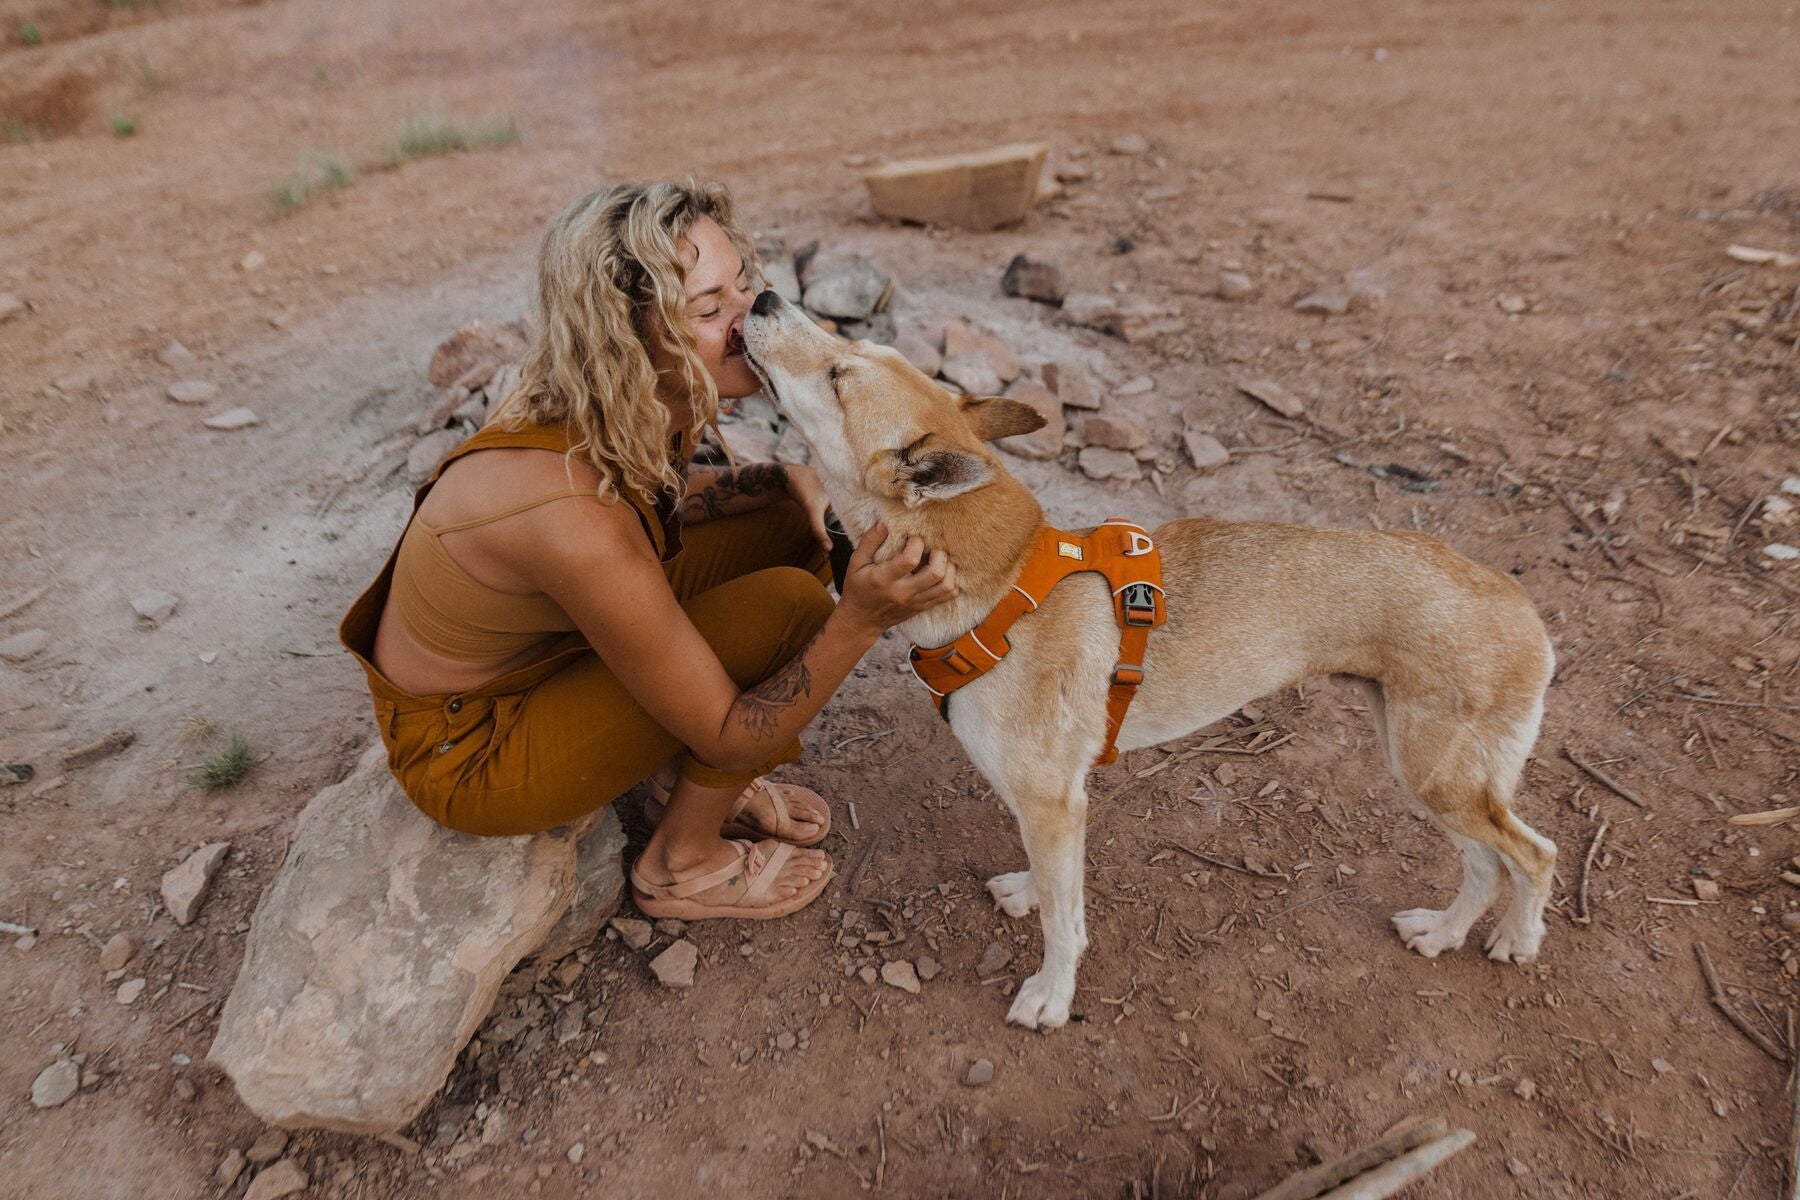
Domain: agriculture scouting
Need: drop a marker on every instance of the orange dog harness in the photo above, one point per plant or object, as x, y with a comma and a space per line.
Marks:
1117, 549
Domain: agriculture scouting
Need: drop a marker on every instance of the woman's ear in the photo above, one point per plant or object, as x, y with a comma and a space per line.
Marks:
991, 417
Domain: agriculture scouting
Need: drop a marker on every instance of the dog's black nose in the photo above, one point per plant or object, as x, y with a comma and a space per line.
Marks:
766, 302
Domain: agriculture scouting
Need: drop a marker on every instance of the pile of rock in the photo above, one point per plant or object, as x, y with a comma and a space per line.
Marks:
474, 370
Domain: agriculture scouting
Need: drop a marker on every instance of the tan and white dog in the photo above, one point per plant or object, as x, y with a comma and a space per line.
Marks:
1454, 655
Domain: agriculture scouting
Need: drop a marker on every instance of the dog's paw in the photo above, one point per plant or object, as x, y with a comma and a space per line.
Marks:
1510, 944
1015, 893
1042, 1003
1428, 931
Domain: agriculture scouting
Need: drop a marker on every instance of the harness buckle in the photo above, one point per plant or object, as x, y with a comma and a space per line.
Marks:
1140, 544
1138, 602
1128, 674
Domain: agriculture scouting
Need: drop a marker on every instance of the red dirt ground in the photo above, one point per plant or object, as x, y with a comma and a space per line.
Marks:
1588, 163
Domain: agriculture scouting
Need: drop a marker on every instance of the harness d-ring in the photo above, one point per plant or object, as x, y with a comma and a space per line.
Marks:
1140, 544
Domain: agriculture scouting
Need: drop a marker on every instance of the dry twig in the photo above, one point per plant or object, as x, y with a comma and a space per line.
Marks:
1582, 915
1723, 1004
1603, 779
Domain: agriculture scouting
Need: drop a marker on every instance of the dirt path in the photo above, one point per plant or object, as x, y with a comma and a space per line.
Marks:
1583, 165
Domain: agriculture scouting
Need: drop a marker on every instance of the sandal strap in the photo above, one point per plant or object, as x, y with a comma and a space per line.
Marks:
772, 790
765, 878
682, 889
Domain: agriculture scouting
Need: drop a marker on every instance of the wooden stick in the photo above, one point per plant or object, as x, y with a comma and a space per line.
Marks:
1733, 703
1316, 1181
1403, 1171
1586, 527
1720, 1002
1582, 916
1603, 779
862, 864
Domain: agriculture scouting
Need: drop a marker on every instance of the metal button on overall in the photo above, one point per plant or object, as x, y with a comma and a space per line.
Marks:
444, 747
455, 706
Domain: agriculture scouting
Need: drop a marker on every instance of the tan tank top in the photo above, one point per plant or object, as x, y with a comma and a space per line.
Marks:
449, 612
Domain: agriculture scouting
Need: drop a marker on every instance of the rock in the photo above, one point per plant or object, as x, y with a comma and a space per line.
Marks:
252, 261
1781, 551
1512, 305
193, 391
56, 1083
1790, 921
928, 967
117, 952
10, 306
984, 189
850, 291
792, 447
900, 974
185, 887
1033, 280
599, 887
473, 410
129, 991
879, 329
1073, 384
633, 932
429, 452
1128, 320
376, 953
1143, 385
268, 1146
867, 974
1332, 300
100, 748
1234, 285
993, 960
780, 277
980, 1073
1204, 450
177, 357
1115, 433
23, 645
786, 1041
1274, 396
1517, 1168
184, 1088
1527, 1089
233, 419
1130, 143
229, 1168
283, 1179
1101, 462
918, 349
671, 928
154, 606
1041, 444
576, 1153
470, 345
1366, 288
569, 1023
674, 967
960, 340
1706, 889
972, 373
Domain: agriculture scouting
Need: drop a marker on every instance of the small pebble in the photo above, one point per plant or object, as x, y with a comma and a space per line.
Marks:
980, 1074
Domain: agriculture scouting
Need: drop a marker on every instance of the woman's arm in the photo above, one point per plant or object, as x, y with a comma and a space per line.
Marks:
595, 563
725, 491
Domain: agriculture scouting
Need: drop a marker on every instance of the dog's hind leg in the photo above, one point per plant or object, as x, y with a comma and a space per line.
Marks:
1053, 822
1464, 782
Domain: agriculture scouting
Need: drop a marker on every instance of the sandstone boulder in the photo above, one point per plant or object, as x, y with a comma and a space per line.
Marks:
980, 190
376, 953
599, 886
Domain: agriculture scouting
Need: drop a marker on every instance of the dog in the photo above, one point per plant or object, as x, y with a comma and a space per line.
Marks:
1453, 654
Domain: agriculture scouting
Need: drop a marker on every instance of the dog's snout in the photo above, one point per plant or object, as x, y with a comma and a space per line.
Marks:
766, 302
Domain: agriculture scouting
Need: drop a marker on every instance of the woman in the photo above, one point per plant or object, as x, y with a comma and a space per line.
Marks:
574, 605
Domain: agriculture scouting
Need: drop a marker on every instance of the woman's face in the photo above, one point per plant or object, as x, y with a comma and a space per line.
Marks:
718, 297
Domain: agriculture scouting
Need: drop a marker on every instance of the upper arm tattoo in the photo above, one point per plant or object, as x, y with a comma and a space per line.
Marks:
725, 491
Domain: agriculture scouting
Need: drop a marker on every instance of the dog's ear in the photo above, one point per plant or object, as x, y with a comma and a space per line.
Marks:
991, 417
920, 475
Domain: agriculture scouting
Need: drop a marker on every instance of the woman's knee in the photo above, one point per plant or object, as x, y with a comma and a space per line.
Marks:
803, 597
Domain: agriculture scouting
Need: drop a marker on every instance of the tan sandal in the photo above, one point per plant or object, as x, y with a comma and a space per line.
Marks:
737, 825
760, 863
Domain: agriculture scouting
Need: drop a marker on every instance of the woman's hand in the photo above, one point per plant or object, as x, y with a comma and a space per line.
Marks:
804, 487
878, 596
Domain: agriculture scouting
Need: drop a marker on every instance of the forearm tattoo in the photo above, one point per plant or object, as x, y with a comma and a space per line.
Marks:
760, 709
722, 491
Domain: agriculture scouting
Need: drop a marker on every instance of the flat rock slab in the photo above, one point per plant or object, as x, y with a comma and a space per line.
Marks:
377, 952
184, 887
984, 189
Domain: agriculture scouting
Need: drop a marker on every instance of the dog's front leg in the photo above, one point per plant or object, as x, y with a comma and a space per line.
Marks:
1054, 825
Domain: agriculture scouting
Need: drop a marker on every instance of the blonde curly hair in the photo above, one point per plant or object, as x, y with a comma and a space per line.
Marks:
610, 293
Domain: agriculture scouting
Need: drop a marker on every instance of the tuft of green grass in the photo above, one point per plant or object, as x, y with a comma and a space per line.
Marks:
30, 34
323, 174
423, 136
226, 767
122, 125
15, 131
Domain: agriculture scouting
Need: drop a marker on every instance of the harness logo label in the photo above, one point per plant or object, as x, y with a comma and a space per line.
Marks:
1068, 550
